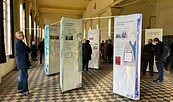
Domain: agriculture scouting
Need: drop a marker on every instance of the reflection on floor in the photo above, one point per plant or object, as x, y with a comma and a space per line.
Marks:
97, 87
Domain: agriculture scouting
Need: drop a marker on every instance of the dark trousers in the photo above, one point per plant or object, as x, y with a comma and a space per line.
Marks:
41, 54
85, 63
170, 62
23, 80
159, 65
151, 63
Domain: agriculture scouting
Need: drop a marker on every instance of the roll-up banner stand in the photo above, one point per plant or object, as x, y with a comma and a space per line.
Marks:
127, 55
70, 54
93, 37
151, 34
52, 49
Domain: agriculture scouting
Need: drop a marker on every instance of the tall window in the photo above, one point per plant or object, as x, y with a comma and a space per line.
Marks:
7, 27
22, 20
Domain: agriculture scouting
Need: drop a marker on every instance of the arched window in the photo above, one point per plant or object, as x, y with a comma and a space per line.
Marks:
7, 26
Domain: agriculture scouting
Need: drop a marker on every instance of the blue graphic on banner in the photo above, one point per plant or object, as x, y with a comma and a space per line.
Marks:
46, 49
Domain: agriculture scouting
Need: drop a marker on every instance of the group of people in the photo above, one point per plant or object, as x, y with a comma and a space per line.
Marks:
156, 49
150, 50
106, 49
34, 50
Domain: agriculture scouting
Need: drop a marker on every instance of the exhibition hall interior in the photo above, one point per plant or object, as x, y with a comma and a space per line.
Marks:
86, 50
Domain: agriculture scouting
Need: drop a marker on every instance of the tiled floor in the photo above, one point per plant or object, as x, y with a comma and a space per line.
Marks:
97, 87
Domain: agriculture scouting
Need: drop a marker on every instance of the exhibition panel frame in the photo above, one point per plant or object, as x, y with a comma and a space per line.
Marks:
93, 37
52, 49
70, 54
151, 34
127, 55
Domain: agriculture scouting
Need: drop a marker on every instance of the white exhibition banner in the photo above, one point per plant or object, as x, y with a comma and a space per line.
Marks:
127, 55
52, 49
93, 37
151, 34
70, 54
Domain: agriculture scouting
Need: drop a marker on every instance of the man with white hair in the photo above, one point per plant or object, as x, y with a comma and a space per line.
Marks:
23, 63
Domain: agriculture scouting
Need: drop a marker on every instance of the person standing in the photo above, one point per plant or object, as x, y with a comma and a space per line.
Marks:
159, 59
41, 50
86, 54
148, 57
34, 51
22, 60
105, 49
101, 50
170, 58
110, 51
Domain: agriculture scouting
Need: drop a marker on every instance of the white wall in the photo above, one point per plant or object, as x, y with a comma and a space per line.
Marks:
7, 67
164, 16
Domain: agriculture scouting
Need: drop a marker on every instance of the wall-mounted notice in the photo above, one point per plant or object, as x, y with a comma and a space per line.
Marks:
127, 55
151, 34
70, 54
93, 37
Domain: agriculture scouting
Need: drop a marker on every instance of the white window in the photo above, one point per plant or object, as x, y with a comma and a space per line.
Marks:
22, 21
7, 26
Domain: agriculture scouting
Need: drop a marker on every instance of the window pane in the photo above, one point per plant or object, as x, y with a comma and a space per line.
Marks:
4, 6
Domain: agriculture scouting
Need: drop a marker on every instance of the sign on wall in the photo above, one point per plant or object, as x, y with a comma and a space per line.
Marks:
127, 55
93, 37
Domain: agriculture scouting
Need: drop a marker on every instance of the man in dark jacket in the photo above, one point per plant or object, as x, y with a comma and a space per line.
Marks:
148, 57
86, 54
34, 51
41, 50
170, 59
110, 51
23, 63
159, 59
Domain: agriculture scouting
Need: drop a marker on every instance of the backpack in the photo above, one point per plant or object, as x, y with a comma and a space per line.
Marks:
166, 52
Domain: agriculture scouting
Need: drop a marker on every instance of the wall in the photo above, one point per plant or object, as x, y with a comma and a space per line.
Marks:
7, 67
146, 7
164, 16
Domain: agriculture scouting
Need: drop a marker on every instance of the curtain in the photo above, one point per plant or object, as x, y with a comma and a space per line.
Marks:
2, 46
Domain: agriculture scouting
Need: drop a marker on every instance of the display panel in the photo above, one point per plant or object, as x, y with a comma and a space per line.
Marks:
52, 49
70, 54
127, 55
93, 37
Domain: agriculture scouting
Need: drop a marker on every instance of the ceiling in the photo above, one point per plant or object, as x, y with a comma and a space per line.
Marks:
52, 10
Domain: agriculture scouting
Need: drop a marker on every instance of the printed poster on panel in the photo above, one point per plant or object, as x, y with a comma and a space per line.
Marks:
151, 34
127, 55
93, 37
52, 49
70, 54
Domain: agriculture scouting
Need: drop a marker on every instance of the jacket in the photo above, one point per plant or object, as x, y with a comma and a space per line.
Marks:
86, 51
159, 51
22, 51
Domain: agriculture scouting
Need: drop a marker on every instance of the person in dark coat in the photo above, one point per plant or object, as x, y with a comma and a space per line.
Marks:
110, 51
86, 54
101, 50
148, 57
41, 50
159, 59
22, 60
170, 58
34, 51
